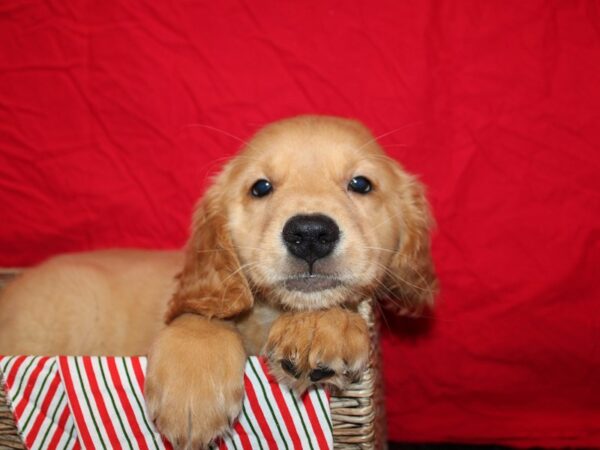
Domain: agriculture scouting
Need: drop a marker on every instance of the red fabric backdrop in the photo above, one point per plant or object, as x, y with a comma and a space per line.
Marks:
102, 143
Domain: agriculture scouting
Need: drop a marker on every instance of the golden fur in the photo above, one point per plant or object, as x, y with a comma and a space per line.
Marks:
230, 298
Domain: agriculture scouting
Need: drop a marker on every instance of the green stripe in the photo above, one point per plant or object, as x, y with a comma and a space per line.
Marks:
233, 441
325, 412
37, 398
137, 400
87, 401
252, 427
301, 419
3, 377
52, 420
283, 439
112, 400
71, 433
6, 363
22, 377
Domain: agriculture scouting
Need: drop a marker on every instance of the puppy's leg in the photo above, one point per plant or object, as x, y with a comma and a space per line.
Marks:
195, 381
329, 346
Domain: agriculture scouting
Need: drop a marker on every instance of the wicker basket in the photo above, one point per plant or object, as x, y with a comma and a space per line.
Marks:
357, 413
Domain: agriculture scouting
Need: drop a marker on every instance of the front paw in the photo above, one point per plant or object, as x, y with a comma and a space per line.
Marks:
329, 347
195, 381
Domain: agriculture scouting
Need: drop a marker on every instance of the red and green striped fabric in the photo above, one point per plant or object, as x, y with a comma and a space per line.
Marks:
97, 402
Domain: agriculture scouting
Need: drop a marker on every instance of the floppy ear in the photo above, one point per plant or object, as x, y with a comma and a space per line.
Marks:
211, 282
411, 278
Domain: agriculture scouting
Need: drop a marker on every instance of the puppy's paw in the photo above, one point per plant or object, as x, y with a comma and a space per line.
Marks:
194, 384
329, 347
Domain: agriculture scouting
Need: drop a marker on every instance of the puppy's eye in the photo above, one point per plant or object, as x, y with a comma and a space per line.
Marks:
261, 188
360, 184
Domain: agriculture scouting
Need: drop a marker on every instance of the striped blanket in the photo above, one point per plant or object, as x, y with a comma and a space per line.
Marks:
97, 402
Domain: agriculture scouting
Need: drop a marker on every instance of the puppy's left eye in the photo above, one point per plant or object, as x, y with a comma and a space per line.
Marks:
360, 184
261, 188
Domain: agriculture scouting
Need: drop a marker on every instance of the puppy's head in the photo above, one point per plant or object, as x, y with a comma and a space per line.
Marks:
310, 215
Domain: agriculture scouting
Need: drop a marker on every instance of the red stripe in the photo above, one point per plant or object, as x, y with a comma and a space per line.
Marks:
244, 439
314, 420
260, 417
43, 413
74, 402
139, 373
221, 444
141, 377
29, 387
10, 379
285, 412
76, 445
60, 429
99, 399
166, 443
114, 374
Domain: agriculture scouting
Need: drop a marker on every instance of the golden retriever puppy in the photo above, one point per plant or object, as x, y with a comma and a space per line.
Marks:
310, 219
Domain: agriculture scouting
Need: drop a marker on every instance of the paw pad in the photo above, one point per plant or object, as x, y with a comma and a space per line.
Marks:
290, 368
321, 373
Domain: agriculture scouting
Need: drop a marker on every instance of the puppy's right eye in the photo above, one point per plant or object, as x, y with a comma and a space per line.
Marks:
360, 185
261, 188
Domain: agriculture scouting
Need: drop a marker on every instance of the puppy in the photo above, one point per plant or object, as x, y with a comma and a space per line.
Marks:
310, 219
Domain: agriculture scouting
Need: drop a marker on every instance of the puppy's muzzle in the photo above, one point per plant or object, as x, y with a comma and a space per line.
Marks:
310, 237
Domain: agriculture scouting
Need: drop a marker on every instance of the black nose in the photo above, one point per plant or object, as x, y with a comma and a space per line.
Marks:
310, 237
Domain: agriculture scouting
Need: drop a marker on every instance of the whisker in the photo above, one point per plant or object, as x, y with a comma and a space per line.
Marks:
386, 221
380, 248
219, 130
399, 278
375, 304
239, 269
376, 138
214, 250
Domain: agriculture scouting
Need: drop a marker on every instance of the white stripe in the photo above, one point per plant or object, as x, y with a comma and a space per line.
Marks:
288, 397
103, 361
70, 425
9, 366
157, 441
122, 366
114, 413
144, 364
272, 420
64, 441
244, 423
314, 393
22, 378
6, 364
311, 431
33, 406
90, 412
322, 395
54, 406
53, 429
235, 438
227, 440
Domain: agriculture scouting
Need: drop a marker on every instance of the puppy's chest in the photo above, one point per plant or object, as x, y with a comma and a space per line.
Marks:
255, 325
